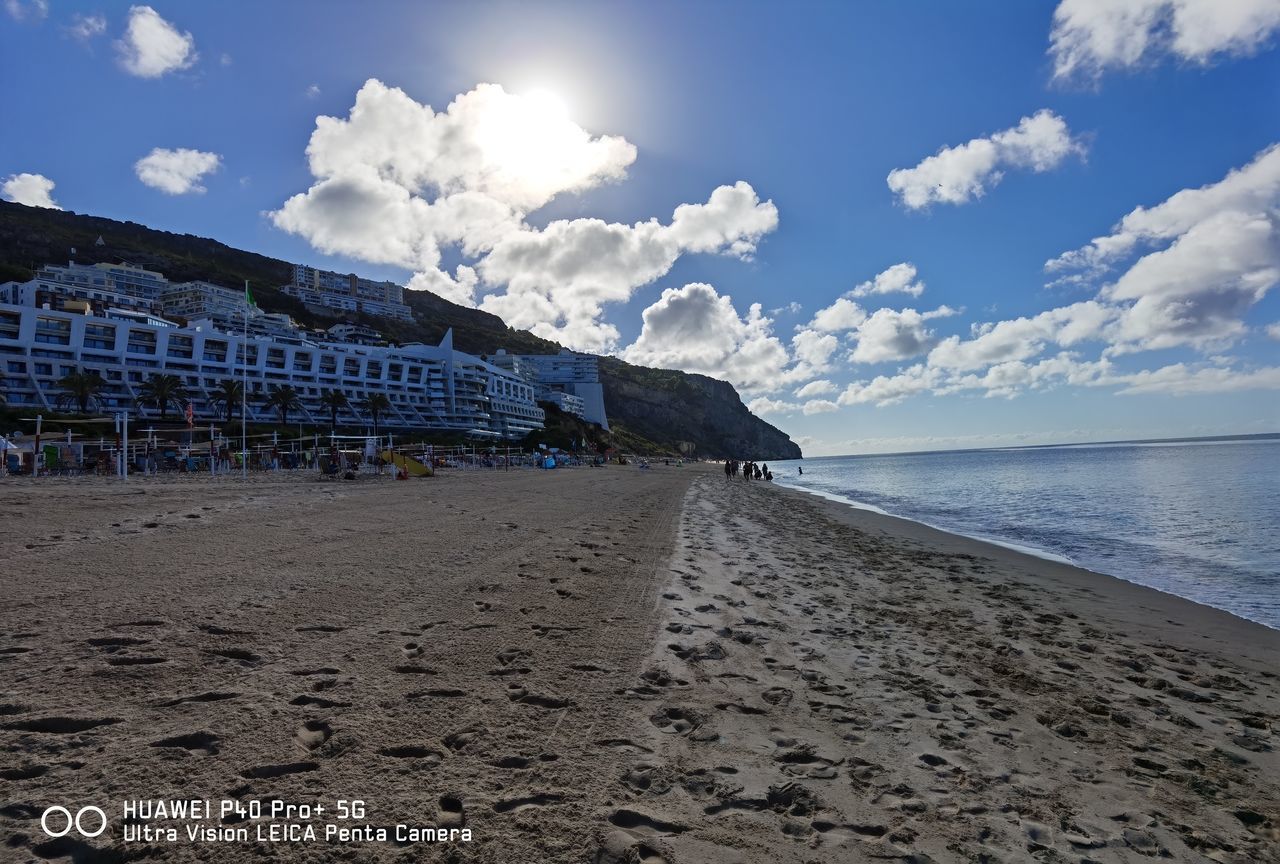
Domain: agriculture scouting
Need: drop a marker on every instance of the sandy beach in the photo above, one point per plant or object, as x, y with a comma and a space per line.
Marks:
610, 665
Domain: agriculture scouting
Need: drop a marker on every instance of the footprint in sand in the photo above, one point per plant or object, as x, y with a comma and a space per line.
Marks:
312, 733
623, 744
514, 805
413, 751
451, 812
464, 738
199, 743
268, 772
247, 658
676, 720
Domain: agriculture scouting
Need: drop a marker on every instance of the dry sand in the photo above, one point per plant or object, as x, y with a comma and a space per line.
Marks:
611, 665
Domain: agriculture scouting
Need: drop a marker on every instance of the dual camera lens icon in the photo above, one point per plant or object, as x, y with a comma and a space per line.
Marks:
52, 825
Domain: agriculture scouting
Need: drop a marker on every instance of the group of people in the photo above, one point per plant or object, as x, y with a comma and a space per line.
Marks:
749, 470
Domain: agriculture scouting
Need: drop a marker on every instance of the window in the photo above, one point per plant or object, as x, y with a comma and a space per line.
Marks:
142, 342
99, 336
180, 347
53, 331
44, 368
215, 351
15, 366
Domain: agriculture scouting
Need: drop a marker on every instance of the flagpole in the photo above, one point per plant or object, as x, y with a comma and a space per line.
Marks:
244, 388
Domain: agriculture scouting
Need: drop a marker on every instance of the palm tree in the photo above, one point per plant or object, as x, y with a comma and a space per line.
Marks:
335, 401
375, 404
284, 399
81, 389
228, 394
161, 391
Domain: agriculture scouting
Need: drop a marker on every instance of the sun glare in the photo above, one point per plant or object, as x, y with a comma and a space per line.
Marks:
532, 143
549, 103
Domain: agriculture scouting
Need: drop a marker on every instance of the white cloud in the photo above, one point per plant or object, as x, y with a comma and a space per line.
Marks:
86, 27
1022, 338
820, 387
1180, 379
955, 175
1010, 378
152, 47
1090, 37
841, 315
558, 278
514, 149
813, 351
313, 92
819, 406
1197, 291
1273, 330
176, 172
765, 405
1251, 189
1210, 254
34, 190
891, 389
891, 334
398, 183
225, 59
898, 279
33, 10
696, 329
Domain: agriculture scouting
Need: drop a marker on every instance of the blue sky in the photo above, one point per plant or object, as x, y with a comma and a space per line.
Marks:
780, 126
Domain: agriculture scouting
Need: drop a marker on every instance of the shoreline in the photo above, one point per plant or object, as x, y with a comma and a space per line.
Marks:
1021, 549
832, 684
902, 527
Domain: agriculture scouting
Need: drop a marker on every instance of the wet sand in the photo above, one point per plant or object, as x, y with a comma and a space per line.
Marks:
611, 665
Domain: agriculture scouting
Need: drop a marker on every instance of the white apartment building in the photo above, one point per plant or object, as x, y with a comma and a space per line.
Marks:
429, 387
566, 402
118, 278
347, 293
204, 299
355, 333
568, 372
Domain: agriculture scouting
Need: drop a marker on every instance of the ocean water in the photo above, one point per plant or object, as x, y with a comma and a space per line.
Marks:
1199, 519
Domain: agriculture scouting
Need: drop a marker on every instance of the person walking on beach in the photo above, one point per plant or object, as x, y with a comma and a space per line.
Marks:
728, 468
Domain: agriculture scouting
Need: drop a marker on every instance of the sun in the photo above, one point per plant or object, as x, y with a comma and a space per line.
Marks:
532, 147
548, 103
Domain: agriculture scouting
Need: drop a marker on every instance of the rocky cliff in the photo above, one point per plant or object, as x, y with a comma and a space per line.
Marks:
670, 407
663, 406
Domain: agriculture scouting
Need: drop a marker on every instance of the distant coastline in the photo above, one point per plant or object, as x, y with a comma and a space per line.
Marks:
1208, 439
